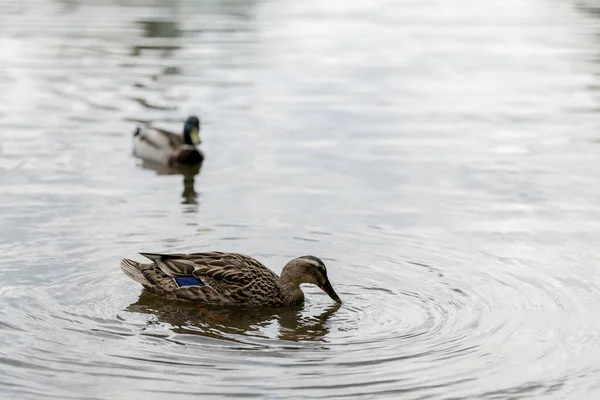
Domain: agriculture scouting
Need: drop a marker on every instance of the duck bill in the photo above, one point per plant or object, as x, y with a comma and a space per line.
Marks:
327, 288
195, 136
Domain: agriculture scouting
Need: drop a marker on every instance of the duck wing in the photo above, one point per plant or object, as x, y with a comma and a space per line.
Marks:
175, 140
236, 278
230, 268
158, 138
154, 144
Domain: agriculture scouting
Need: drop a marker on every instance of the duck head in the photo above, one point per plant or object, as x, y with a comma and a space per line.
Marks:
310, 269
191, 131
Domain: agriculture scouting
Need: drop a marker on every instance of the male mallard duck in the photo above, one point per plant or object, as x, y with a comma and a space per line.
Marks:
168, 148
228, 278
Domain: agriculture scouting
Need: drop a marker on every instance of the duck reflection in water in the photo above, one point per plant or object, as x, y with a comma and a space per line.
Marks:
188, 173
224, 322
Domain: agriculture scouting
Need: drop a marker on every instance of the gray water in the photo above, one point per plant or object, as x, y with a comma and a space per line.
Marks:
441, 157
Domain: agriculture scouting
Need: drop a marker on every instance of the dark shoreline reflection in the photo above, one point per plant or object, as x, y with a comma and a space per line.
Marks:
223, 322
165, 34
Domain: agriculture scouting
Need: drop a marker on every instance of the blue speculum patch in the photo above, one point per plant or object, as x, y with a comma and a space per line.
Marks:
188, 281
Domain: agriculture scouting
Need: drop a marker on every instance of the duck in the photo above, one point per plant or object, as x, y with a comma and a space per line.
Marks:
228, 279
166, 148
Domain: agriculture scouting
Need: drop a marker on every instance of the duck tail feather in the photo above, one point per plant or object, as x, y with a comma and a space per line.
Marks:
132, 269
152, 256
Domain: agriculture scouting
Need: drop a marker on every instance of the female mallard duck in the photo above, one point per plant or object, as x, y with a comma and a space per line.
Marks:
228, 278
168, 148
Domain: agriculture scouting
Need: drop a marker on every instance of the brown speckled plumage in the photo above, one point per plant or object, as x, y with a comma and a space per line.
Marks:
228, 278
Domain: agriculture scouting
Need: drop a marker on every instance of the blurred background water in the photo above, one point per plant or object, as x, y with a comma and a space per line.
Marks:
441, 157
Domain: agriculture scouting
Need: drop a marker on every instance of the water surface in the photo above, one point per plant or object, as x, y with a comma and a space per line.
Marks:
441, 158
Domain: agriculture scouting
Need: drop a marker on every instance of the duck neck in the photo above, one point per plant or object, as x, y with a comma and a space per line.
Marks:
290, 288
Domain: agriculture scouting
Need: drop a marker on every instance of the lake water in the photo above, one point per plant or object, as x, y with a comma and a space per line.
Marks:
441, 157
